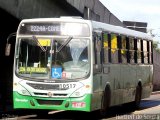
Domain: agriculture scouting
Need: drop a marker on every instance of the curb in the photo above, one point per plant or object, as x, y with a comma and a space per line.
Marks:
155, 92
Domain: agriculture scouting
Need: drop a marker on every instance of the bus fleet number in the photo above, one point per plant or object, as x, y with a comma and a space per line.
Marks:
67, 86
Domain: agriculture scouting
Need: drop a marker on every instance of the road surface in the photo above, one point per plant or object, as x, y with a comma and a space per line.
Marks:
149, 110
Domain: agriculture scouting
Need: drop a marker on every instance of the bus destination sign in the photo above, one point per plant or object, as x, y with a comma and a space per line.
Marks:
40, 28
57, 28
43, 28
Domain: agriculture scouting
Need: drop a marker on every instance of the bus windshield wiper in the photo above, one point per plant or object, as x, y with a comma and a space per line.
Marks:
42, 48
64, 44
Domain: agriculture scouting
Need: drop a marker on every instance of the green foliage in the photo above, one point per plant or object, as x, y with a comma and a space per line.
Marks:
155, 46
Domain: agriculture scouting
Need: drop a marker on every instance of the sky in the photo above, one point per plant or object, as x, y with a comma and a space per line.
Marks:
137, 10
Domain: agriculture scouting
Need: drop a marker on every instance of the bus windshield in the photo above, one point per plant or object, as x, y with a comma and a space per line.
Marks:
53, 58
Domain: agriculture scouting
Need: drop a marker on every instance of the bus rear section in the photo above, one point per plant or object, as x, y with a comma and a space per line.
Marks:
52, 65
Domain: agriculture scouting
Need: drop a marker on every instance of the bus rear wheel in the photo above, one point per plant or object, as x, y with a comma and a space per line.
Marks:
136, 103
138, 96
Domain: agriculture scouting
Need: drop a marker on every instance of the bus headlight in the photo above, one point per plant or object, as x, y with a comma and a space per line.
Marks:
20, 89
78, 93
81, 91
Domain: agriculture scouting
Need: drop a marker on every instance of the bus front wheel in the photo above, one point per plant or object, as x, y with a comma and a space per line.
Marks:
105, 101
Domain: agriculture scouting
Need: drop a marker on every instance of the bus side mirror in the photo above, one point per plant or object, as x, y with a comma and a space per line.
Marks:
7, 49
8, 45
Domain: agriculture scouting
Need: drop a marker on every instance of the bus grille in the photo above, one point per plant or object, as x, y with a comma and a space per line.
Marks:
49, 102
46, 86
55, 94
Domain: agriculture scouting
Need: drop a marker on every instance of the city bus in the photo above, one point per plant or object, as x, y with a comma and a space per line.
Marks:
70, 63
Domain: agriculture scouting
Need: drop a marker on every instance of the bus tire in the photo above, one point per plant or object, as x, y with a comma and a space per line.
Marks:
138, 96
106, 98
134, 105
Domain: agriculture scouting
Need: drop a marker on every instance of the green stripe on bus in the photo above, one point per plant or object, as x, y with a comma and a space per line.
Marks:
79, 104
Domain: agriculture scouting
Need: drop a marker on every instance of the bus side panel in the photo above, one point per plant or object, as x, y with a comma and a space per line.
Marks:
123, 80
116, 84
97, 91
144, 75
128, 75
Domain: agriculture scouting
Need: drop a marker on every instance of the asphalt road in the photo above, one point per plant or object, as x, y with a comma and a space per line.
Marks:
149, 110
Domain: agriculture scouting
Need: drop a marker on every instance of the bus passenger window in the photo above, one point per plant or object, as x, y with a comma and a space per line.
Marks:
131, 50
98, 46
135, 50
138, 50
119, 48
105, 47
127, 47
145, 52
123, 50
142, 54
114, 48
94, 46
150, 52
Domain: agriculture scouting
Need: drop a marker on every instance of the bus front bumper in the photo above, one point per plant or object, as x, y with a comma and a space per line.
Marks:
30, 102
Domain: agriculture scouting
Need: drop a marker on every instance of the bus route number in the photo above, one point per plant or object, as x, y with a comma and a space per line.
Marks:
67, 86
43, 28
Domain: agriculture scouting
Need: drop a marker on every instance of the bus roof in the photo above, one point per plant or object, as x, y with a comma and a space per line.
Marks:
96, 26
119, 30
61, 19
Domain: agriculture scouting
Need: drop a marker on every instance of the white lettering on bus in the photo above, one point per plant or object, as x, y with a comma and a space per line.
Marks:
21, 100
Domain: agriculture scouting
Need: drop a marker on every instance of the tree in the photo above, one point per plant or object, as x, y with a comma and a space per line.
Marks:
155, 46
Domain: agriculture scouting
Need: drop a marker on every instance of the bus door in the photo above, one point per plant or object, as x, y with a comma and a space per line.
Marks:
97, 68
